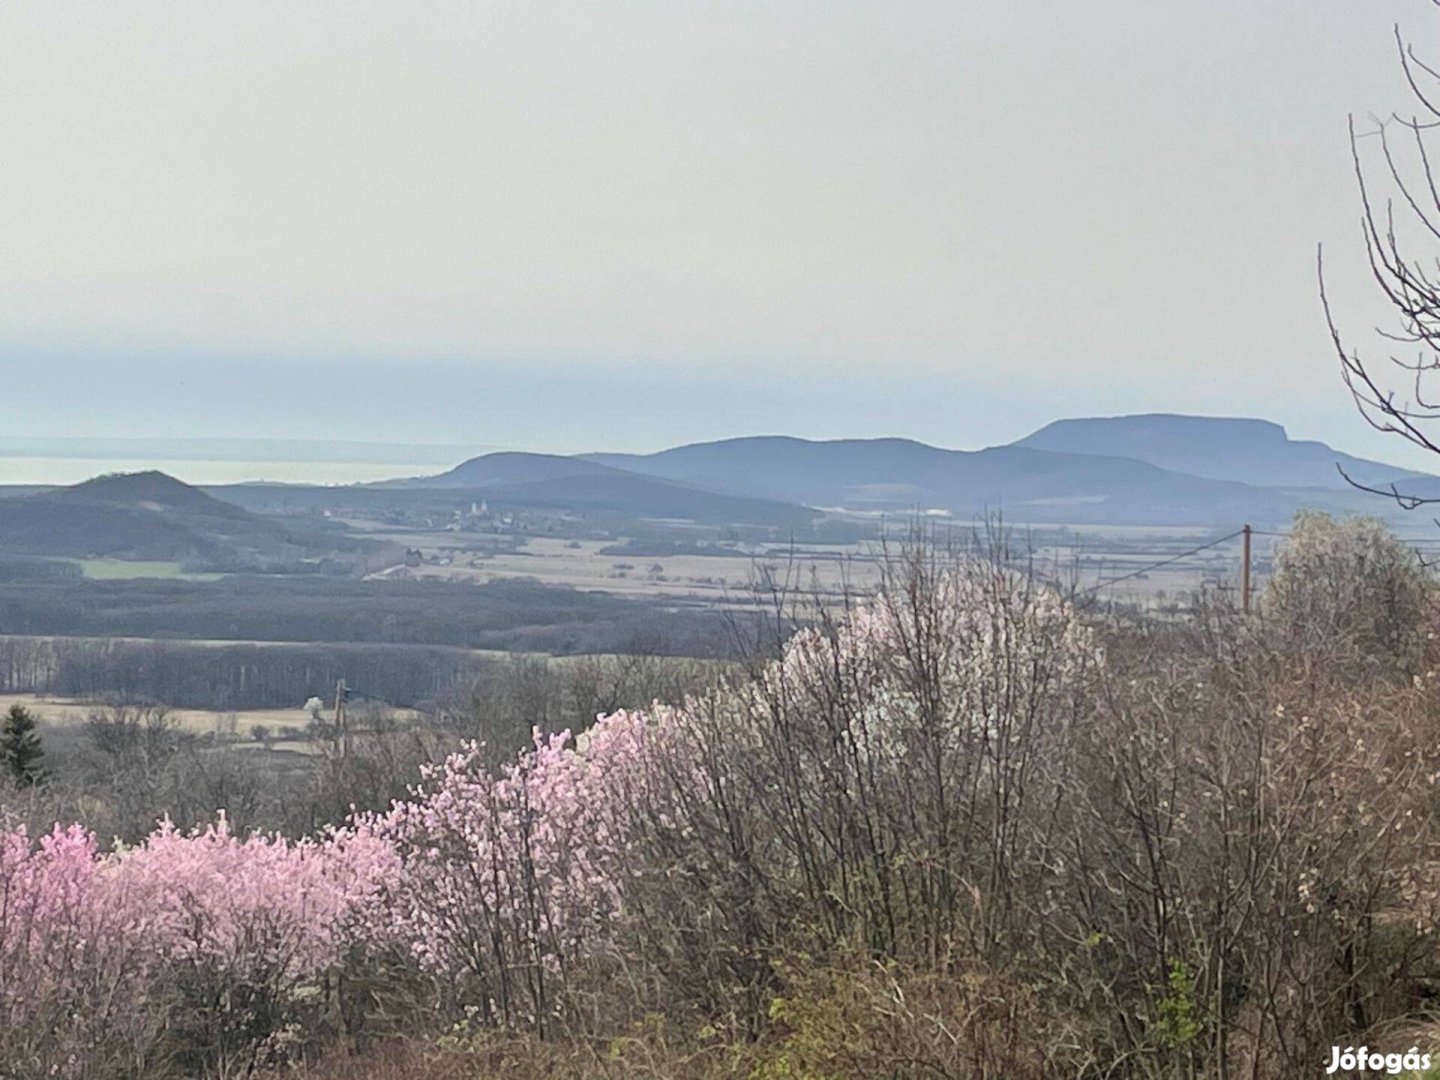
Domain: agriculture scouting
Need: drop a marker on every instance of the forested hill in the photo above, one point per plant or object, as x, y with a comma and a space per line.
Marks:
146, 515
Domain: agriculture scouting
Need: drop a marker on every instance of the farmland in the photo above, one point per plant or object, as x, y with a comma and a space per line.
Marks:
66, 712
124, 569
730, 575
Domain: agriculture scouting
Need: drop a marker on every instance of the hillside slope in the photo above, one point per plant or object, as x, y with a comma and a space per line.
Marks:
145, 515
644, 496
551, 480
899, 475
505, 468
1218, 448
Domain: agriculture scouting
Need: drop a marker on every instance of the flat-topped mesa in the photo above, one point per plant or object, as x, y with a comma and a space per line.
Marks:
1171, 428
1249, 450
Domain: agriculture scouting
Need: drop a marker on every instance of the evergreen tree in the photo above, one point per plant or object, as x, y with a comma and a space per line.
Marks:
20, 751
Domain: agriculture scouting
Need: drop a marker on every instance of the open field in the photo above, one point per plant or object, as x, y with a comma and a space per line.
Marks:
1085, 557
284, 731
581, 564
1124, 569
68, 712
1094, 554
122, 569
223, 643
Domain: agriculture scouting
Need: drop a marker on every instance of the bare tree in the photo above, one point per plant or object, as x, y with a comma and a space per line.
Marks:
1400, 217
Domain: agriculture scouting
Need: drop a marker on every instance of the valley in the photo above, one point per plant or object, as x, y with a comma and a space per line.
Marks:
693, 530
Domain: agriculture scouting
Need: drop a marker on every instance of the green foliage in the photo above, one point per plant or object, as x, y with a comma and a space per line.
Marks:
1176, 1018
836, 1021
867, 1018
20, 749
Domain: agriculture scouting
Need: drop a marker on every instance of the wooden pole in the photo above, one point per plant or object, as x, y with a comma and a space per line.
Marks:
342, 737
1245, 569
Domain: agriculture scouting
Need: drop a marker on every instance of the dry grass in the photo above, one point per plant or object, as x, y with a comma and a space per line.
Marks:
579, 564
1099, 554
67, 712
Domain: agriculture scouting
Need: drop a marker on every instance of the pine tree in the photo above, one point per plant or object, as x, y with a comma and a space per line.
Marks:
20, 751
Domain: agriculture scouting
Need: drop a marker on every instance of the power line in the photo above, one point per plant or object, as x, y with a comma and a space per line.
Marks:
1279, 533
1411, 540
1246, 532
1163, 562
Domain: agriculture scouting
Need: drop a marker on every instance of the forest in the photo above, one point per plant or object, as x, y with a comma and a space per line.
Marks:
513, 614
969, 829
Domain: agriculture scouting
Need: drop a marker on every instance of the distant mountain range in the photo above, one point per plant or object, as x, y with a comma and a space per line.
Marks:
1147, 469
1154, 469
896, 475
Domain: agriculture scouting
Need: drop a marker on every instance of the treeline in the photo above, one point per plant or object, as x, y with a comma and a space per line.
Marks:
510, 615
26, 568
222, 677
127, 764
240, 676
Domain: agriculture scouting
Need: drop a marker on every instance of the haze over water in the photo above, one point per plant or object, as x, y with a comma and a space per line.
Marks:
68, 459
27, 470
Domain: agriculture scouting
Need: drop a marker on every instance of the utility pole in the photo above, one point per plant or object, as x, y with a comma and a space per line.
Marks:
1245, 569
342, 736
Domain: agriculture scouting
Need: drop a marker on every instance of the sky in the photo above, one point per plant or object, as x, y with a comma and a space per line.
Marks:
621, 226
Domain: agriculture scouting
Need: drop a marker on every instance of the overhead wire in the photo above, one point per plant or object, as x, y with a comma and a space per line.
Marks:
1163, 562
1412, 540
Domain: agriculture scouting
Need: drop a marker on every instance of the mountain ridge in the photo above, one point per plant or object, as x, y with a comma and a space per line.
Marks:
1081, 465
900, 474
1146, 468
1246, 449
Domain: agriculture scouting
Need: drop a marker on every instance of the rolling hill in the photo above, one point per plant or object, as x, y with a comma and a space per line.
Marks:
551, 480
1026, 483
505, 468
146, 515
643, 496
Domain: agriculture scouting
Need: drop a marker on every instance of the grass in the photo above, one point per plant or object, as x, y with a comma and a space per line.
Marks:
64, 711
708, 579
122, 569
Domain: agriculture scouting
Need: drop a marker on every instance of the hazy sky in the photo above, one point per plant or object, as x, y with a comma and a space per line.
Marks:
625, 225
